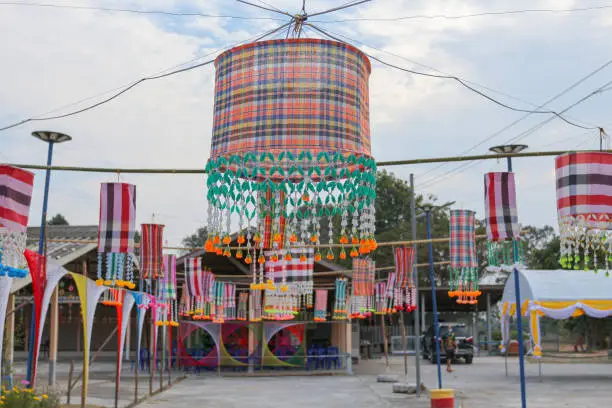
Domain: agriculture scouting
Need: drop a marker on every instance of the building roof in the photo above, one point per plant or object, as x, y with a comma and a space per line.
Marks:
63, 253
559, 285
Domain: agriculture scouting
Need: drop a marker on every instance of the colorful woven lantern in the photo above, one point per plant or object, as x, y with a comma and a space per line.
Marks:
463, 261
151, 251
116, 235
362, 299
15, 196
503, 230
291, 148
340, 305
584, 203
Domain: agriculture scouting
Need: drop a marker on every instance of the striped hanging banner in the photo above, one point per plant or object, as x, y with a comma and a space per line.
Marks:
15, 196
320, 305
500, 207
117, 218
193, 276
151, 251
169, 278
404, 260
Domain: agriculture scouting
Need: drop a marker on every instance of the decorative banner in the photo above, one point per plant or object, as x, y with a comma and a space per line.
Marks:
310, 162
243, 306
15, 196
584, 203
116, 235
404, 260
151, 251
142, 301
503, 231
38, 271
340, 305
463, 262
123, 320
320, 313
89, 293
193, 275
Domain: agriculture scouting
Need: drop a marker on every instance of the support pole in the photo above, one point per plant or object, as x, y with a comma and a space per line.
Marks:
434, 300
519, 322
9, 333
417, 326
422, 312
53, 335
41, 244
489, 328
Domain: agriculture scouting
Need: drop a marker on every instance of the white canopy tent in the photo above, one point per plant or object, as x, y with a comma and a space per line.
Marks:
558, 294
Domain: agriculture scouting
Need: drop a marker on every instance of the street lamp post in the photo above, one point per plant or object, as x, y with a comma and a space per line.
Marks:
428, 208
519, 321
51, 138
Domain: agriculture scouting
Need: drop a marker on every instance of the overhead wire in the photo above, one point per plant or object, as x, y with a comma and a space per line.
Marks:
460, 81
462, 16
129, 87
133, 11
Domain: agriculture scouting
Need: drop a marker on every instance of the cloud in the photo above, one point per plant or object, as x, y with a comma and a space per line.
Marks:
53, 57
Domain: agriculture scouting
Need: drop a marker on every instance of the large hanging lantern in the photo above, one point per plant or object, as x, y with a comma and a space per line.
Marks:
584, 203
503, 230
463, 261
116, 235
15, 196
291, 148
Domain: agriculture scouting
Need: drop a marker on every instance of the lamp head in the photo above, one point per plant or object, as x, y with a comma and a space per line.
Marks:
508, 149
51, 137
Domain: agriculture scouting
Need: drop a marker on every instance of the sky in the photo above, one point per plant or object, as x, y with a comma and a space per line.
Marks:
54, 58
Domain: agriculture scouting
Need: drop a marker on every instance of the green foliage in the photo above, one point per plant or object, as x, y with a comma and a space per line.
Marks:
58, 219
196, 240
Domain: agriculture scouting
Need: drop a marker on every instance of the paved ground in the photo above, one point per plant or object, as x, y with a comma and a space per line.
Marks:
483, 384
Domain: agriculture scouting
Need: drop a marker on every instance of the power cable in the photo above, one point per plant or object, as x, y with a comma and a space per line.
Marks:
461, 16
269, 8
460, 81
129, 87
134, 11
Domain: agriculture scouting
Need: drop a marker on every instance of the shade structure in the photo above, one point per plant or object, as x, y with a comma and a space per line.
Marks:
557, 294
463, 261
116, 235
584, 204
501, 216
15, 196
291, 148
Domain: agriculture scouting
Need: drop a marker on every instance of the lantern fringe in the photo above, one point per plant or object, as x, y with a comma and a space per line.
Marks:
502, 253
582, 237
12, 261
464, 285
284, 198
118, 269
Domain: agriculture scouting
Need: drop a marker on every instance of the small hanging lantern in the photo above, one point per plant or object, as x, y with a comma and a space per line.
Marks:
503, 230
463, 261
116, 235
15, 196
362, 300
584, 204
151, 251
168, 282
320, 313
340, 305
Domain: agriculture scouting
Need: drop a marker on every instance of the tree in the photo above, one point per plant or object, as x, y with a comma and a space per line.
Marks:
197, 239
58, 219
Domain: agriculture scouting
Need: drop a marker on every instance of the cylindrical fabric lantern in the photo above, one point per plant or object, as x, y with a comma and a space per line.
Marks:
116, 235
168, 292
15, 196
503, 230
340, 305
584, 204
463, 261
151, 251
291, 148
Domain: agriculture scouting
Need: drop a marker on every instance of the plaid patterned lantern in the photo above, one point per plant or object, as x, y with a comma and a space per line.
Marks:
584, 203
15, 196
463, 262
503, 231
151, 251
291, 148
116, 235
